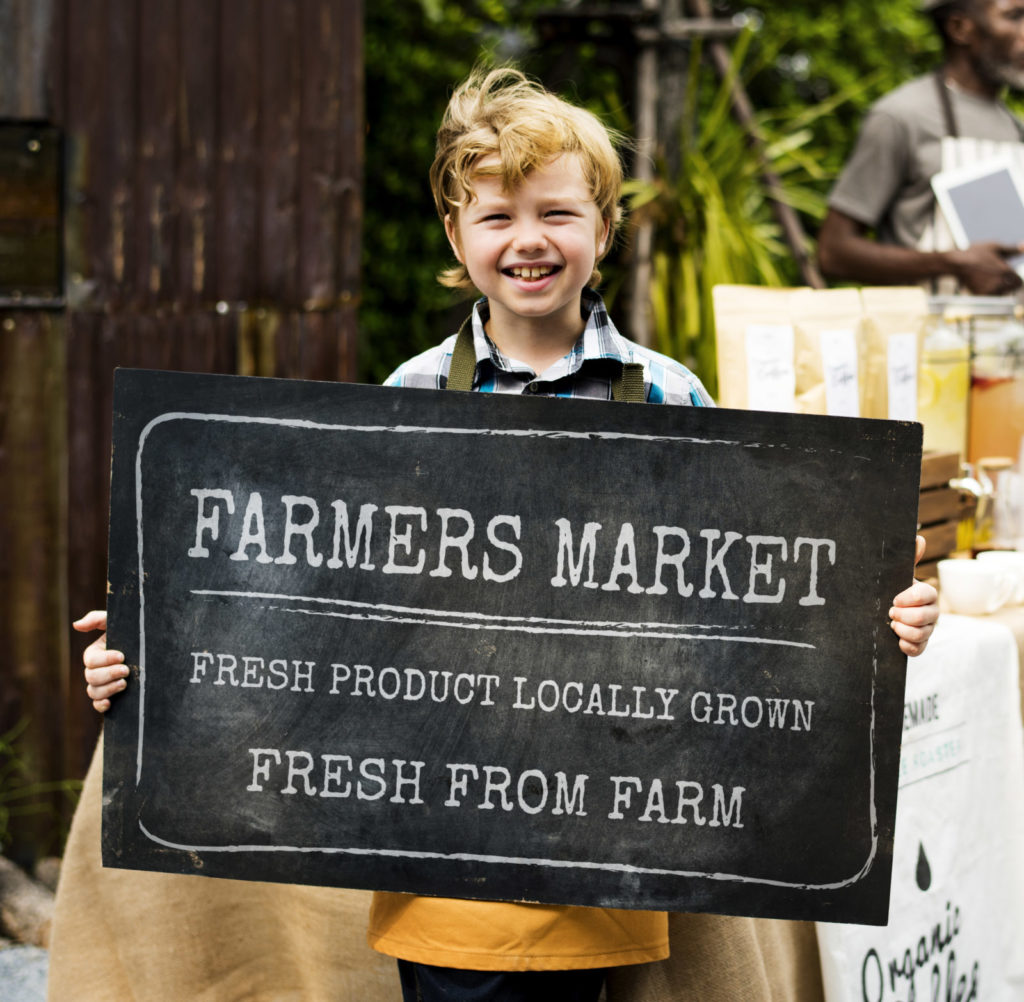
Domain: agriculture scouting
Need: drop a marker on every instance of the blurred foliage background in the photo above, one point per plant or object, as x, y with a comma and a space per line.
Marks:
810, 69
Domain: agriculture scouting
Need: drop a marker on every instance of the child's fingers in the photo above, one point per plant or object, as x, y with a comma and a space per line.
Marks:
918, 594
96, 654
913, 615
94, 620
915, 632
914, 627
105, 673
913, 641
102, 683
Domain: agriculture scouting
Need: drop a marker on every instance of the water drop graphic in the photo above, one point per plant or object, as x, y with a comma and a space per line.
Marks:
924, 870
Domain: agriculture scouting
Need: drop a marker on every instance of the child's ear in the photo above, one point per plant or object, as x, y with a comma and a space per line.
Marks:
452, 231
602, 240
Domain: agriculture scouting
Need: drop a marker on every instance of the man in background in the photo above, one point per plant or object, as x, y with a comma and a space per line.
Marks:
952, 117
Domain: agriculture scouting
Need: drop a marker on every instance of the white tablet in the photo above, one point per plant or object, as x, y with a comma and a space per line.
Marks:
984, 202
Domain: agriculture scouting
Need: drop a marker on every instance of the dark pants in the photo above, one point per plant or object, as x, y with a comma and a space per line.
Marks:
424, 983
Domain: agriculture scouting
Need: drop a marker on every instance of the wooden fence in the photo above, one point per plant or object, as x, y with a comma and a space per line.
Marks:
207, 208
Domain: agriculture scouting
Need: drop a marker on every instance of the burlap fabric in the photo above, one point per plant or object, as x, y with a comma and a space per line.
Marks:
719, 958
131, 936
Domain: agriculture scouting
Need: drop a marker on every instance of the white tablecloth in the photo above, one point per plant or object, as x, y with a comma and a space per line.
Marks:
956, 917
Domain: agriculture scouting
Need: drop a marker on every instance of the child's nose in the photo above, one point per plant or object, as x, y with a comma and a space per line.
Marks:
529, 236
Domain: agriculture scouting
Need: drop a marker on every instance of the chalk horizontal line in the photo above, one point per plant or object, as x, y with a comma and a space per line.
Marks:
470, 857
399, 429
385, 613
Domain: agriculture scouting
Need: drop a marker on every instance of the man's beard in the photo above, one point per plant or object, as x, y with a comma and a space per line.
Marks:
1000, 73
1009, 75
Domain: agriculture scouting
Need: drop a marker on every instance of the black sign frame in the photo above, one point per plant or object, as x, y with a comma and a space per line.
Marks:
284, 719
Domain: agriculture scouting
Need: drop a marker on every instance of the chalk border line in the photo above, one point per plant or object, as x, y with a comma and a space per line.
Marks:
610, 629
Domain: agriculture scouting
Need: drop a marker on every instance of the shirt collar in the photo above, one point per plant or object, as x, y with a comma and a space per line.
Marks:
600, 340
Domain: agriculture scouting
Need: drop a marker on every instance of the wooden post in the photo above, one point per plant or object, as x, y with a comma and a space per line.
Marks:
643, 169
792, 230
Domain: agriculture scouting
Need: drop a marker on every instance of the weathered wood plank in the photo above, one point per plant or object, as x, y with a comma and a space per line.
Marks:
33, 597
352, 135
322, 32
88, 473
213, 153
196, 126
281, 151
157, 205
237, 164
25, 32
101, 103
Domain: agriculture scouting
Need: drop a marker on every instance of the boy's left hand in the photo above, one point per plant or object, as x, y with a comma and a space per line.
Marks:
915, 612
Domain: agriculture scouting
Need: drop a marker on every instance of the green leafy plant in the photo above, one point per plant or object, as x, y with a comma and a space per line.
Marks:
20, 796
713, 216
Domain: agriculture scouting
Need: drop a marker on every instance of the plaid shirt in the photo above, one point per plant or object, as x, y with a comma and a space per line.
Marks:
584, 372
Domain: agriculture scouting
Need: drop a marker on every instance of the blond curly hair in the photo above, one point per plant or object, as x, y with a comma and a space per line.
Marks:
503, 113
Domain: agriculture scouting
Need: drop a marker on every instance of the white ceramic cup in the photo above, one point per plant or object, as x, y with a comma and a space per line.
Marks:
974, 587
1012, 561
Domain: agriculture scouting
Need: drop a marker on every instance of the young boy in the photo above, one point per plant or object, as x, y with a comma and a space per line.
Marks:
528, 188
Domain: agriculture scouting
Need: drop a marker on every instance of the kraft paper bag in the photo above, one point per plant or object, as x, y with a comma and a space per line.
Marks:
892, 344
754, 341
828, 362
845, 352
956, 915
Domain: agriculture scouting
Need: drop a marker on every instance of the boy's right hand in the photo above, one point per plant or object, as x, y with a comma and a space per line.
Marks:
105, 671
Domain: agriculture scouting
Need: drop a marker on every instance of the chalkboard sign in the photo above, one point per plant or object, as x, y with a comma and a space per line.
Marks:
507, 648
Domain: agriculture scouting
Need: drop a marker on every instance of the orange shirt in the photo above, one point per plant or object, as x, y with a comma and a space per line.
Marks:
501, 936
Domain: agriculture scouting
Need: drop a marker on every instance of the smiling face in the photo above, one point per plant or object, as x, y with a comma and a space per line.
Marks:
531, 250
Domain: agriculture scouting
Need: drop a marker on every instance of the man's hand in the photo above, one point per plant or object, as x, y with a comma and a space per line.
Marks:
105, 671
985, 270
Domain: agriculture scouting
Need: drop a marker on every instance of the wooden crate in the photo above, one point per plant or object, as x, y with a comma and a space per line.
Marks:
940, 509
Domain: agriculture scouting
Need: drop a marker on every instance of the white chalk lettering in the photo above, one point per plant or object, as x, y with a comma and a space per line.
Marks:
303, 529
209, 522
716, 562
402, 539
408, 540
363, 534
412, 684
764, 568
663, 560
625, 562
725, 709
454, 541
549, 695
515, 524
254, 531
578, 555
690, 796
574, 564
328, 775
446, 542
250, 672
812, 597
531, 791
